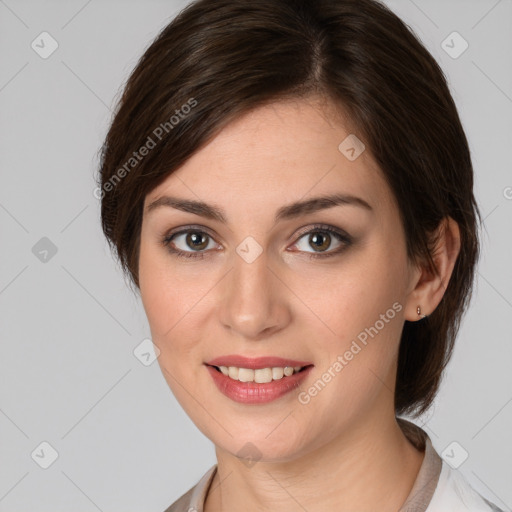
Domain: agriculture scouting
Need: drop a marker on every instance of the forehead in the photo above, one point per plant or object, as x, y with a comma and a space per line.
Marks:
277, 154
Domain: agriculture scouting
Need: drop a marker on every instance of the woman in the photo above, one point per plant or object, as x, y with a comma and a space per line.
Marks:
288, 185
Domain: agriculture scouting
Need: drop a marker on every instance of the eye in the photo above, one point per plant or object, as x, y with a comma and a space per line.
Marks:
191, 242
190, 238
320, 238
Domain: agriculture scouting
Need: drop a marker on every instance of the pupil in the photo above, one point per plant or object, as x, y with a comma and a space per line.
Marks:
316, 237
197, 240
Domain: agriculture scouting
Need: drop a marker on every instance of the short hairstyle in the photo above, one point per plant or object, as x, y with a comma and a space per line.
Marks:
219, 59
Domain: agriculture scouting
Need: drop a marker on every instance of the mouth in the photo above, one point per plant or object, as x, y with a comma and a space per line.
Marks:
259, 385
259, 375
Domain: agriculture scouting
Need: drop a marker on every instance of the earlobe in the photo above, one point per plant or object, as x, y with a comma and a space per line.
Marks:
431, 286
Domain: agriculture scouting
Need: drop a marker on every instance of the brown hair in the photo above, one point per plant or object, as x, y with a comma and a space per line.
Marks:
220, 58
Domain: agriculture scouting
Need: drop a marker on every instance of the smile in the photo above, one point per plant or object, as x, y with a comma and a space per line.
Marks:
246, 389
261, 375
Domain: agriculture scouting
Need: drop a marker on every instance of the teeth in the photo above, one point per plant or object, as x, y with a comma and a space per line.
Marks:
245, 375
259, 376
277, 373
288, 371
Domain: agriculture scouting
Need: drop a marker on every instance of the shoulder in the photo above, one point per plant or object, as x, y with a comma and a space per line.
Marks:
194, 498
182, 504
454, 492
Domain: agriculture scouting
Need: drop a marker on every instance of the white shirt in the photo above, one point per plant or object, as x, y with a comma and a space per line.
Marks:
437, 488
454, 493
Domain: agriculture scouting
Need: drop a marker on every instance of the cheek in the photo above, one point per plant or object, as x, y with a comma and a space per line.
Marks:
177, 299
161, 296
348, 298
359, 311
166, 292
168, 295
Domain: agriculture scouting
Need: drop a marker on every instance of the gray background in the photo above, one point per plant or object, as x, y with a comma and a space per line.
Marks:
69, 325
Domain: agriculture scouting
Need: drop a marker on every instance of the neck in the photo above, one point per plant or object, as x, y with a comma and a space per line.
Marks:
371, 467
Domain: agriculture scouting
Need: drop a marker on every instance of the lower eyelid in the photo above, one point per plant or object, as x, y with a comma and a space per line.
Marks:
171, 239
345, 241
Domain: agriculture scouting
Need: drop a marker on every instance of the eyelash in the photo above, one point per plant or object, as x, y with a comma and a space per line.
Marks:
317, 228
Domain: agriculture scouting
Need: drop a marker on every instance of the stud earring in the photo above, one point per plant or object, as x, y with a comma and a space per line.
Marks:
419, 312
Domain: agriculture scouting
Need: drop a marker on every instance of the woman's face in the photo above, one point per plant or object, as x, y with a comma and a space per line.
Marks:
271, 280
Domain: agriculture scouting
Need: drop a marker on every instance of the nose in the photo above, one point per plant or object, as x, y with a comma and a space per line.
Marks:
254, 299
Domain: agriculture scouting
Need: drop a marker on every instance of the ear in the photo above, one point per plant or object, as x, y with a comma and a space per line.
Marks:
427, 287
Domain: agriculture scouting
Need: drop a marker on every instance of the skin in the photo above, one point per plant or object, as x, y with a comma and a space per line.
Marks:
344, 449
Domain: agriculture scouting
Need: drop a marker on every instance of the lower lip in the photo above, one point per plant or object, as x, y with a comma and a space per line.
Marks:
254, 393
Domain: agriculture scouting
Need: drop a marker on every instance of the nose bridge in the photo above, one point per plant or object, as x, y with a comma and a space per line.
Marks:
253, 302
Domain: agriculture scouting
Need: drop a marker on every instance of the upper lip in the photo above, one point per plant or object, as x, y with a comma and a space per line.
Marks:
255, 363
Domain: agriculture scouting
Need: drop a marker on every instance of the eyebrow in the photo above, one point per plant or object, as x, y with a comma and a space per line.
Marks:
289, 211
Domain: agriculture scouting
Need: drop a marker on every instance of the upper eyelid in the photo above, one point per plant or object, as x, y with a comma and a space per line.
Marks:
340, 233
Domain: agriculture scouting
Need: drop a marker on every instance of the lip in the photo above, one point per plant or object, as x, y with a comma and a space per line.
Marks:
255, 363
253, 392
